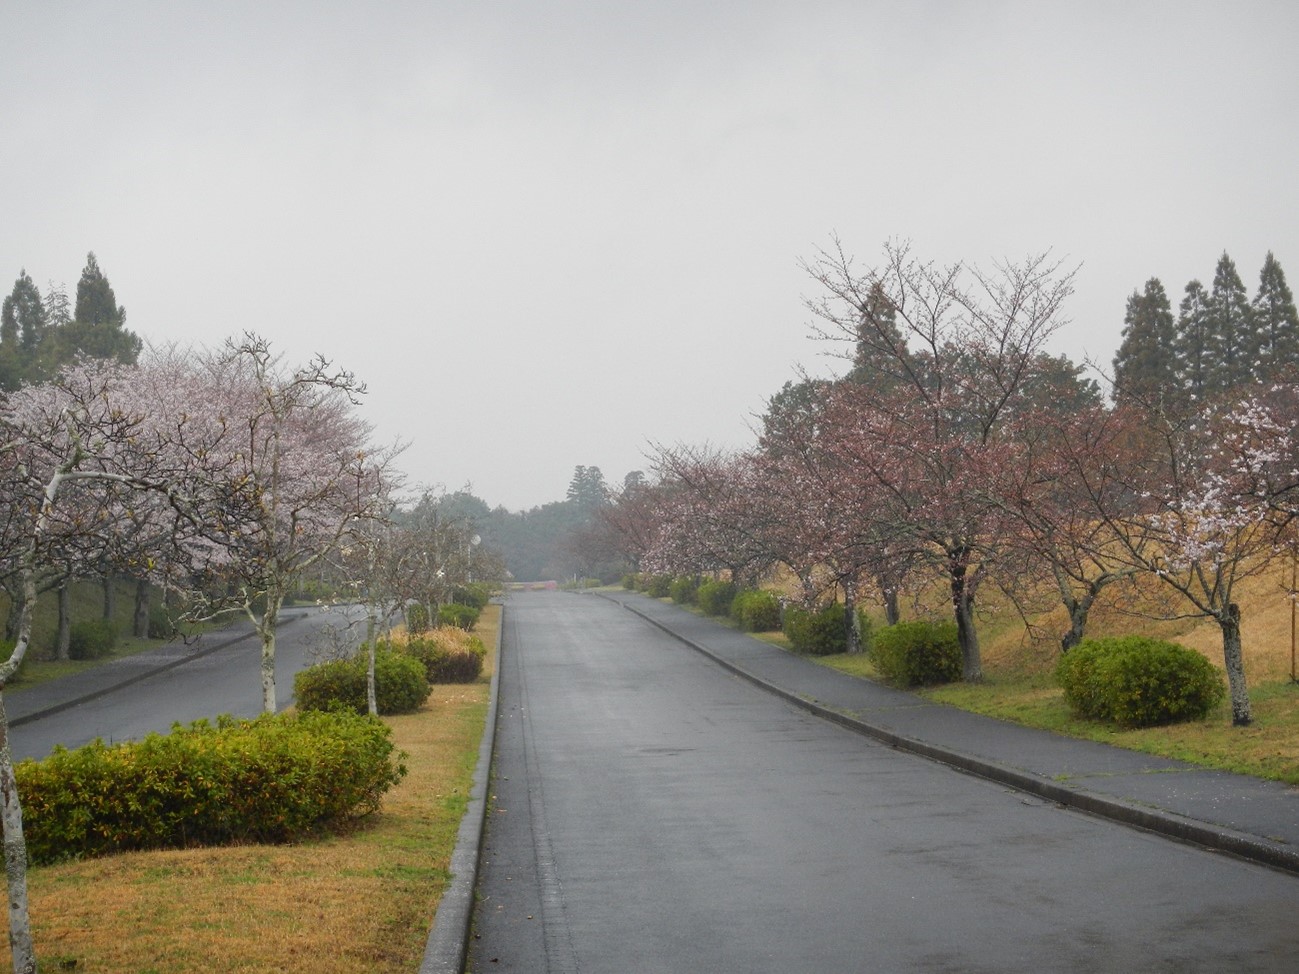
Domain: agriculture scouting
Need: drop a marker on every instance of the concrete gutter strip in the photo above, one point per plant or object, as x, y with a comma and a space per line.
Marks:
1240, 844
448, 941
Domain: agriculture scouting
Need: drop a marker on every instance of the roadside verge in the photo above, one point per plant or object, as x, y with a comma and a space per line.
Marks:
448, 941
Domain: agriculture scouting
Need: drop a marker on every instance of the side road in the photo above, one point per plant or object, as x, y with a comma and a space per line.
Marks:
24, 704
1236, 814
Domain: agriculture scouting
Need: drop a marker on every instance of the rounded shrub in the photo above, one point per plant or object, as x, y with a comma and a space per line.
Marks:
92, 639
629, 582
161, 624
658, 586
756, 611
918, 653
417, 619
683, 589
400, 684
865, 632
1136, 681
474, 593
461, 616
276, 778
820, 633
448, 655
715, 596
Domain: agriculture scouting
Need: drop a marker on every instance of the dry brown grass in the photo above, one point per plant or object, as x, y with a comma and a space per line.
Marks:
361, 902
1265, 626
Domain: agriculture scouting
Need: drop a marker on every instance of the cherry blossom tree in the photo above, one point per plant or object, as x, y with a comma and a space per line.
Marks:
708, 520
630, 521
75, 463
831, 526
1201, 504
291, 476
1051, 491
436, 555
957, 349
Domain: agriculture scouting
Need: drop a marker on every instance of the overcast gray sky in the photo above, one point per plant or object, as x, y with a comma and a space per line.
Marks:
551, 233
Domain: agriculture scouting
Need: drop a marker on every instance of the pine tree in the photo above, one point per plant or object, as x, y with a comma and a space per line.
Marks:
58, 309
881, 356
24, 314
1145, 367
22, 332
96, 302
98, 327
1276, 323
587, 490
1231, 342
1193, 353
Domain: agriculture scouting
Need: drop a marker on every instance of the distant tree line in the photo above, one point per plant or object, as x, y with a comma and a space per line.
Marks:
554, 541
41, 333
1219, 341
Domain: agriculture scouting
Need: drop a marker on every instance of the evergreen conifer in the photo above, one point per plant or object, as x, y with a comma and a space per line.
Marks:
1276, 323
1146, 367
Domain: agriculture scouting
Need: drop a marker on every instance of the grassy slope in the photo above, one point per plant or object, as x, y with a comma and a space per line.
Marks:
1019, 660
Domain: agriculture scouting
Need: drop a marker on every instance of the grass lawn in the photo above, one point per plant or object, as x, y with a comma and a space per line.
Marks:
1268, 748
360, 902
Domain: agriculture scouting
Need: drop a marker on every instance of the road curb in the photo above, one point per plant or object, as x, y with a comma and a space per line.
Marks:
141, 675
448, 941
1239, 844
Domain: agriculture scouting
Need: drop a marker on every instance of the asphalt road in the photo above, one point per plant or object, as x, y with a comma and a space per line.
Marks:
651, 813
227, 681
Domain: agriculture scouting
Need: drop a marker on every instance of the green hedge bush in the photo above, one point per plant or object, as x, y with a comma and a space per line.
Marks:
658, 586
161, 624
277, 778
865, 632
92, 639
417, 619
1135, 681
918, 653
475, 593
400, 684
459, 615
820, 633
684, 589
756, 611
714, 597
448, 655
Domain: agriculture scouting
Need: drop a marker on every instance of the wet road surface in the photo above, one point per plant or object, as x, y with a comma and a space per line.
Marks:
652, 813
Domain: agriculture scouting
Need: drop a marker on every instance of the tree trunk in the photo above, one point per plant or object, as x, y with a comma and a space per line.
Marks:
11, 812
266, 629
963, 609
850, 611
64, 641
11, 815
140, 621
1229, 623
11, 619
1078, 612
371, 697
891, 614
110, 598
